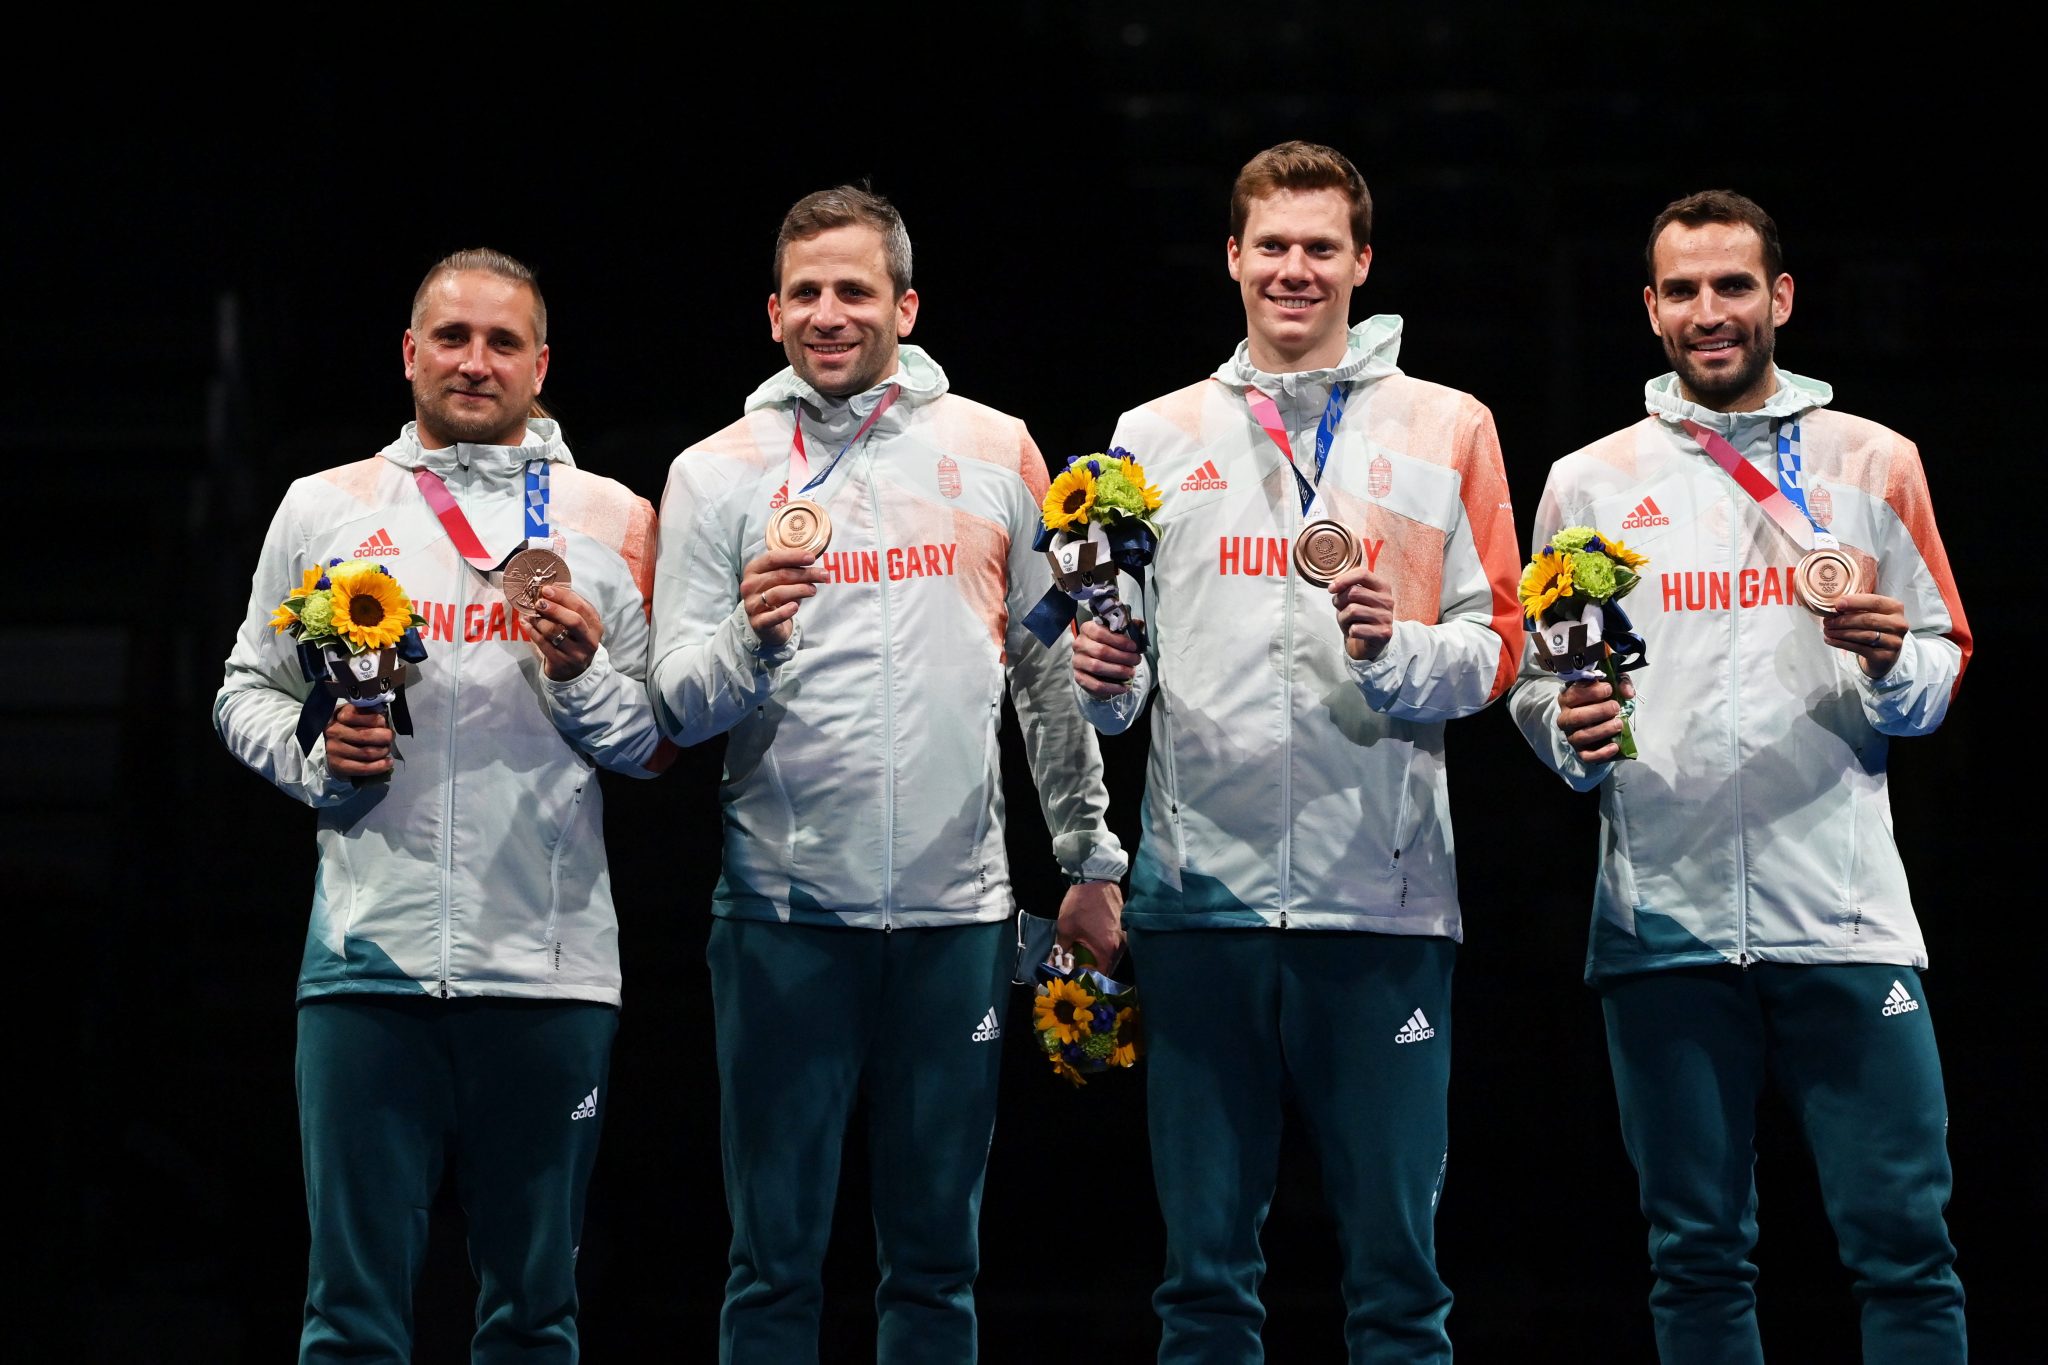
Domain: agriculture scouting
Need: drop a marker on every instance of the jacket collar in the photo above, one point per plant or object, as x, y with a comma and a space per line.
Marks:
1795, 395
1370, 352
481, 463
919, 375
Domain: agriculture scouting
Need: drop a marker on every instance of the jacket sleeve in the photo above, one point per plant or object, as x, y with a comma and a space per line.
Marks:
1459, 665
1913, 697
256, 712
1533, 703
605, 710
709, 668
1066, 764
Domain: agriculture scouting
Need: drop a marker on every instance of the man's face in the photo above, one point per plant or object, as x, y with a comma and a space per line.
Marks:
473, 362
1716, 313
837, 314
1296, 268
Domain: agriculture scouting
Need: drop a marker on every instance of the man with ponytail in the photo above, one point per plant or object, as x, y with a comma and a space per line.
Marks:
460, 985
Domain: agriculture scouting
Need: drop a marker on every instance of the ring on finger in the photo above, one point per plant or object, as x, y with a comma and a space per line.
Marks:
560, 638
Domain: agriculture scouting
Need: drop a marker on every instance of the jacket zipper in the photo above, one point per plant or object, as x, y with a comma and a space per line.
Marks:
1737, 521
888, 702
1287, 729
448, 782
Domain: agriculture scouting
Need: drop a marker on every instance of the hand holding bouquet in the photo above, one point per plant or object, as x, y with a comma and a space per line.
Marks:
1085, 1022
356, 631
1097, 520
1571, 594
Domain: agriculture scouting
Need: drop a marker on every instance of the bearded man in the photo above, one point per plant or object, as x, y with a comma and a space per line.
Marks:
1751, 922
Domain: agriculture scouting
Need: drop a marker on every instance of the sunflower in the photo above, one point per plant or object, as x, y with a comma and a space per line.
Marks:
1062, 1009
1062, 1067
1070, 499
1135, 472
284, 618
1627, 558
370, 609
1130, 1038
1548, 577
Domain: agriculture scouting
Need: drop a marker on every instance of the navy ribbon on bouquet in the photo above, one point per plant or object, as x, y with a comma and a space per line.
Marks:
1131, 546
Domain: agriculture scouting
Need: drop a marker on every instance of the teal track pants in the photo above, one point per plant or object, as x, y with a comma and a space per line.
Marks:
810, 1020
1851, 1049
1237, 1022
507, 1096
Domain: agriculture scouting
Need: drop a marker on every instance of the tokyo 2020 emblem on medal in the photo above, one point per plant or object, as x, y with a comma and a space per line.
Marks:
799, 524
530, 570
1824, 577
1323, 550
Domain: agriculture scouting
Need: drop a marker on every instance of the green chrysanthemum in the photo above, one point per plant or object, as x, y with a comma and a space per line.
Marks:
1593, 575
317, 615
1572, 539
1099, 1046
1117, 493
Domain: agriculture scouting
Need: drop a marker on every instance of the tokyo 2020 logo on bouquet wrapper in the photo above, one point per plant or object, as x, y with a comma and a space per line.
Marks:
1097, 522
357, 632
1571, 599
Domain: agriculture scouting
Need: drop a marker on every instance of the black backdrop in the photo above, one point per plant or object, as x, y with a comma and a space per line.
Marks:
209, 261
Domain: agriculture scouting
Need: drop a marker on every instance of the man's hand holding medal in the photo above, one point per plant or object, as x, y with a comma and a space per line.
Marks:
784, 574
565, 627
1871, 627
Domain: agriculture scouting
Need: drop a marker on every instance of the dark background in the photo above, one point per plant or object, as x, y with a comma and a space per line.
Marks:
209, 259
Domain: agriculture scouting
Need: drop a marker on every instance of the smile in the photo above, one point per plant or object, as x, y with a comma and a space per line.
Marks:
1292, 305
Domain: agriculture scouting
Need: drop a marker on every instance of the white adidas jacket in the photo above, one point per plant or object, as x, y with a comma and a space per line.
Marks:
862, 775
479, 869
1755, 826
1289, 784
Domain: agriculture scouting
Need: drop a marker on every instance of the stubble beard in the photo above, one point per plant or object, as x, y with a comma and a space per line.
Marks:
1712, 388
438, 413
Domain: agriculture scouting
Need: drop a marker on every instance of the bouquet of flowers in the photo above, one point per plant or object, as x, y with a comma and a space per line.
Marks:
1098, 519
1571, 593
356, 631
1086, 1023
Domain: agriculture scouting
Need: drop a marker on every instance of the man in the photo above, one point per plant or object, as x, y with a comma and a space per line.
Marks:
1294, 911
460, 987
860, 950
1751, 920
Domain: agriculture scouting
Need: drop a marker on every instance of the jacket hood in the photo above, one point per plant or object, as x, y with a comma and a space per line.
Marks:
917, 372
1370, 352
1795, 395
543, 442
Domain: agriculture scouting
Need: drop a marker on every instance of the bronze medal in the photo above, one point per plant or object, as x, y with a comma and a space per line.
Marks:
1324, 549
800, 524
1823, 578
527, 572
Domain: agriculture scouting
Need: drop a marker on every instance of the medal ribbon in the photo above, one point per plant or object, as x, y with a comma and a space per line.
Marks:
799, 460
463, 536
1792, 518
1267, 412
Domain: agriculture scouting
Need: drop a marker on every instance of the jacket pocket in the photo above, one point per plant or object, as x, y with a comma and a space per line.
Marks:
564, 838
